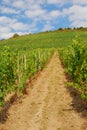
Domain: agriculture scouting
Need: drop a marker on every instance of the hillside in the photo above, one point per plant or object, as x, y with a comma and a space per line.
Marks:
44, 40
49, 105
36, 91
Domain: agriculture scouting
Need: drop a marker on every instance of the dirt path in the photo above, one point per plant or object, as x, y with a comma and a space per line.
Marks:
48, 105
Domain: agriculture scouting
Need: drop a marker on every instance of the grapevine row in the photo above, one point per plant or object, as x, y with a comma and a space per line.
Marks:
75, 59
16, 67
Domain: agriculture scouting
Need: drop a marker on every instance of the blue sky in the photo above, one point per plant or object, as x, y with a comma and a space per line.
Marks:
32, 16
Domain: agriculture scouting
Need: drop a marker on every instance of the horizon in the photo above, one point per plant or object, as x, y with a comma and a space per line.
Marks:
25, 17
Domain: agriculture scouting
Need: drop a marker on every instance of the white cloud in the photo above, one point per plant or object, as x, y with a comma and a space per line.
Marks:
58, 2
19, 4
77, 15
52, 1
50, 17
4, 29
78, 23
39, 14
19, 26
34, 13
27, 4
6, 20
9, 26
5, 35
12, 23
76, 10
6, 10
47, 27
63, 2
5, 1
79, 2
55, 14
41, 1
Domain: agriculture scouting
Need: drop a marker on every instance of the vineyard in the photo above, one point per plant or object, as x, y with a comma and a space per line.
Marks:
75, 60
25, 61
16, 67
47, 74
53, 39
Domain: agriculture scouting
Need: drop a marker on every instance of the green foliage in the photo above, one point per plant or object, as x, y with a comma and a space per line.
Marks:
54, 39
60, 29
75, 59
7, 72
15, 35
16, 67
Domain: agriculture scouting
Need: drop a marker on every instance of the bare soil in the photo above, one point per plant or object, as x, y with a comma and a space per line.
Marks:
49, 104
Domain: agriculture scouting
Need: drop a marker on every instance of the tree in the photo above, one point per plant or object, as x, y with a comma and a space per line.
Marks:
15, 35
